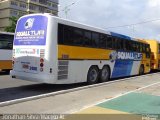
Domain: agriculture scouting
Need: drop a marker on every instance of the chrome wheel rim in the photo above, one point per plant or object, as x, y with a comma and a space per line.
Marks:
104, 74
93, 75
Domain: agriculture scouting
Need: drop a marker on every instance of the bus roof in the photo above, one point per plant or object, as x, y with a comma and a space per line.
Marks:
83, 26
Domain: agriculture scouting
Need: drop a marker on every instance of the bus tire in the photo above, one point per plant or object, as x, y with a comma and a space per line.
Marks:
105, 74
7, 71
141, 70
93, 74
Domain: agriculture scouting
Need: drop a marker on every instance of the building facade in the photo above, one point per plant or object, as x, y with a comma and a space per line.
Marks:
19, 8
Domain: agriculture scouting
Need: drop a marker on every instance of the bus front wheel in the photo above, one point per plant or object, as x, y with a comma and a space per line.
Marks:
105, 74
7, 71
92, 76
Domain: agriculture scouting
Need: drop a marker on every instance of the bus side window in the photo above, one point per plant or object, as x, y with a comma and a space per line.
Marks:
141, 47
148, 52
144, 47
102, 41
68, 36
109, 42
95, 39
77, 37
114, 43
87, 38
128, 45
124, 45
138, 47
131, 45
120, 44
134, 46
60, 34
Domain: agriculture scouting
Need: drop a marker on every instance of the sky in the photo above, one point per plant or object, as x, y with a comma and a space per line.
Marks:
108, 14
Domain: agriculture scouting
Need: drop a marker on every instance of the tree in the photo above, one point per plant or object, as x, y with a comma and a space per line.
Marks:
12, 26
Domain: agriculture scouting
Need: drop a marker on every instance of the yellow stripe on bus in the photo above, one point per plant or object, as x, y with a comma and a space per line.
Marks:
5, 64
74, 52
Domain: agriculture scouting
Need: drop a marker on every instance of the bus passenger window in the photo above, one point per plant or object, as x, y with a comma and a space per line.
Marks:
141, 47
68, 36
144, 48
95, 39
124, 45
134, 44
129, 45
87, 38
120, 44
77, 37
148, 52
138, 47
60, 34
102, 41
114, 43
109, 42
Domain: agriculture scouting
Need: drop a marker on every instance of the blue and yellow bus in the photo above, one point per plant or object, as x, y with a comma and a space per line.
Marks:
54, 50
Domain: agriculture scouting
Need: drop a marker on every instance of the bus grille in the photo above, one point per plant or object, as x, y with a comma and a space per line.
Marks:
62, 69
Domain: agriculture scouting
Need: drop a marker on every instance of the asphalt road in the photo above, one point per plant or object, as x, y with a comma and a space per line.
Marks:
11, 89
75, 101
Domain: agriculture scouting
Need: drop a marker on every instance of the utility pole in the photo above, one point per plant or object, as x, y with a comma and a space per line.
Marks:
67, 9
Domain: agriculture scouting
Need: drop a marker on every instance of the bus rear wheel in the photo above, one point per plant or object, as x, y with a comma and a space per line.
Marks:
141, 70
105, 74
92, 76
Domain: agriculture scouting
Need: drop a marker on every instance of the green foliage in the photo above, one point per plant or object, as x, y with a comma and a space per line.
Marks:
12, 26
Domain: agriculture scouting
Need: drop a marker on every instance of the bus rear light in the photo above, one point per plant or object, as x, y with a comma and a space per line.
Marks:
41, 64
41, 60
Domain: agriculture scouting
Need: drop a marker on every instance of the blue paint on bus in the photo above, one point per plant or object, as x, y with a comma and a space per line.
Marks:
121, 36
122, 68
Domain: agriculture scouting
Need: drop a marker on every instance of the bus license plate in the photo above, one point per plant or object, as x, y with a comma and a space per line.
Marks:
24, 66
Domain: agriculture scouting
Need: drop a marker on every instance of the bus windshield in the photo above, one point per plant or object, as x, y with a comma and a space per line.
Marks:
6, 41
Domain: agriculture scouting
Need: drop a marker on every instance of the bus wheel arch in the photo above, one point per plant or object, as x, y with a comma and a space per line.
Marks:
93, 74
141, 69
105, 73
